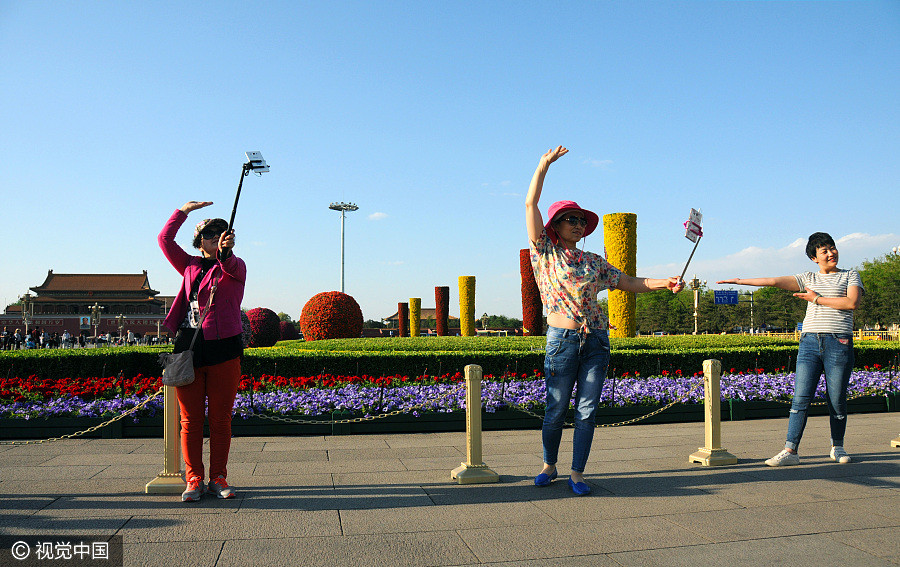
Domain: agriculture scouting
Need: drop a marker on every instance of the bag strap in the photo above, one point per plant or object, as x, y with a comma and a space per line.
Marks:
212, 292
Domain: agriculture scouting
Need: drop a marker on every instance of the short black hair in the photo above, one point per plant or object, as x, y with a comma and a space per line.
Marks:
816, 241
218, 225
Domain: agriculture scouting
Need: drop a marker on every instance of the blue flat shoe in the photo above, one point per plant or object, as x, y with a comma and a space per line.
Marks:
579, 488
545, 479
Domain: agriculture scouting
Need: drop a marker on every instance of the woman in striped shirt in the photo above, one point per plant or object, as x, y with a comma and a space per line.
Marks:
825, 345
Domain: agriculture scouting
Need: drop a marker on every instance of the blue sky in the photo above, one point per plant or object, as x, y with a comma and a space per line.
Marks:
776, 119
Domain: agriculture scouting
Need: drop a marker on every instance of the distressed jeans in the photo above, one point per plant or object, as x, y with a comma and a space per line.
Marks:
573, 359
821, 352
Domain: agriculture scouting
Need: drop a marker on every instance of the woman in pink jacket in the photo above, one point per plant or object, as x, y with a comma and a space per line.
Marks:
217, 351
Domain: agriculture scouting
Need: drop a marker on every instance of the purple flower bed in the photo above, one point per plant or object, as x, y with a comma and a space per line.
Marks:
445, 398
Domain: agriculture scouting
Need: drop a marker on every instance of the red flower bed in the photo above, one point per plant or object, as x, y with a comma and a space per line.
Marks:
33, 387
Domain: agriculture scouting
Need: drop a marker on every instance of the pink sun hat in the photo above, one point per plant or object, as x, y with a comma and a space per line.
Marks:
560, 207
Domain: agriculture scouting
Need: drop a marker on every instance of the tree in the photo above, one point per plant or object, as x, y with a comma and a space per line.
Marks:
373, 324
284, 317
503, 322
777, 308
880, 303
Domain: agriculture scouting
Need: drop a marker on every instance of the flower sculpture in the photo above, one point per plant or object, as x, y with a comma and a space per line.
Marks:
288, 331
442, 308
264, 329
620, 240
331, 315
246, 330
467, 306
415, 316
532, 308
403, 318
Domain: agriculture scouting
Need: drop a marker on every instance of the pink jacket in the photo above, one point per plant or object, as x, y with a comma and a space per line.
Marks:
224, 319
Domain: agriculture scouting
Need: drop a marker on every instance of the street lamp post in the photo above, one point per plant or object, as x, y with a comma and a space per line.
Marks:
342, 207
95, 319
696, 284
26, 303
120, 322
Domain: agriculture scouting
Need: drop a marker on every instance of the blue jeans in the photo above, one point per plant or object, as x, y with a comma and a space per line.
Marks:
571, 359
833, 354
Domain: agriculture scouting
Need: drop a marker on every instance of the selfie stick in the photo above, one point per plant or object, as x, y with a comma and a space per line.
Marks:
256, 163
689, 259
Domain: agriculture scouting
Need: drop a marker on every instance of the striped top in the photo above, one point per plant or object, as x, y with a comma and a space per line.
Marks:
822, 319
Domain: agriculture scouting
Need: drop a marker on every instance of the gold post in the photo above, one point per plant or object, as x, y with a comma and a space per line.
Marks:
171, 479
473, 471
712, 454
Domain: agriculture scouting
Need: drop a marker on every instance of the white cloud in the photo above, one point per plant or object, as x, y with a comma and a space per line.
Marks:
378, 216
601, 163
394, 263
764, 262
505, 183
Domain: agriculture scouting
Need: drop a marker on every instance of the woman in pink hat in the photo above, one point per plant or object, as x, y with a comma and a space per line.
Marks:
577, 334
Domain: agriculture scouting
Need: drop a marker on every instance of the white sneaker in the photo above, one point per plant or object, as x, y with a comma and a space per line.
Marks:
784, 458
839, 455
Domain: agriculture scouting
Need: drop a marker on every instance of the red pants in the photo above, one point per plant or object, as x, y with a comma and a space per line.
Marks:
218, 384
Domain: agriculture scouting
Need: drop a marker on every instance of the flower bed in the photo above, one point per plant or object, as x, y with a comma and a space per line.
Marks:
323, 395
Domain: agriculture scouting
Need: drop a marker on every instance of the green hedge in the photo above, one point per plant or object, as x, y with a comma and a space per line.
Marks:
441, 355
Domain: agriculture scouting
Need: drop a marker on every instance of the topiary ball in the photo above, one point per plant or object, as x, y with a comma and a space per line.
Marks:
264, 328
288, 331
331, 315
246, 330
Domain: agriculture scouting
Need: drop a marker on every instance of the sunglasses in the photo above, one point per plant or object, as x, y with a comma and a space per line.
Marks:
575, 221
210, 235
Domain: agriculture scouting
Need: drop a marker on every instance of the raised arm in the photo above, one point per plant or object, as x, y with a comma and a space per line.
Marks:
788, 283
640, 285
534, 222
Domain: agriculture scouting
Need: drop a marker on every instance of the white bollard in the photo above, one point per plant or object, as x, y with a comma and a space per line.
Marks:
712, 454
171, 479
473, 471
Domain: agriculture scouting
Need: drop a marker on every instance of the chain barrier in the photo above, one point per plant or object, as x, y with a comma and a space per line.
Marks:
90, 429
620, 423
299, 421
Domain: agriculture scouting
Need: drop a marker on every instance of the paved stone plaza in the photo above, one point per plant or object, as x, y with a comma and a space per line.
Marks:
388, 500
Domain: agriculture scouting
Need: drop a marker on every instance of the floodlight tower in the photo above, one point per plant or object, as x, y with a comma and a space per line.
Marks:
342, 207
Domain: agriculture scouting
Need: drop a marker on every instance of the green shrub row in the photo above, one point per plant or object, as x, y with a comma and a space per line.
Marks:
495, 356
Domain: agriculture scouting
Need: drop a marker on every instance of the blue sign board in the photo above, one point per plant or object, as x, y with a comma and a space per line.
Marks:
725, 297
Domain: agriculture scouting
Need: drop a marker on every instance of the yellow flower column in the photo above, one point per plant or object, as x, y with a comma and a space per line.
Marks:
415, 316
620, 239
467, 306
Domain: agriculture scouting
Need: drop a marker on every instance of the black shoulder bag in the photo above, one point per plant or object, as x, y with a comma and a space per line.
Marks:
178, 369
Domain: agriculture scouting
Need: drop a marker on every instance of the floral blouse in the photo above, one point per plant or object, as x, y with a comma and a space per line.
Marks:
570, 280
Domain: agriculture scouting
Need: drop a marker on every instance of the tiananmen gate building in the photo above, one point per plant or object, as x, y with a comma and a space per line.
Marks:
64, 303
